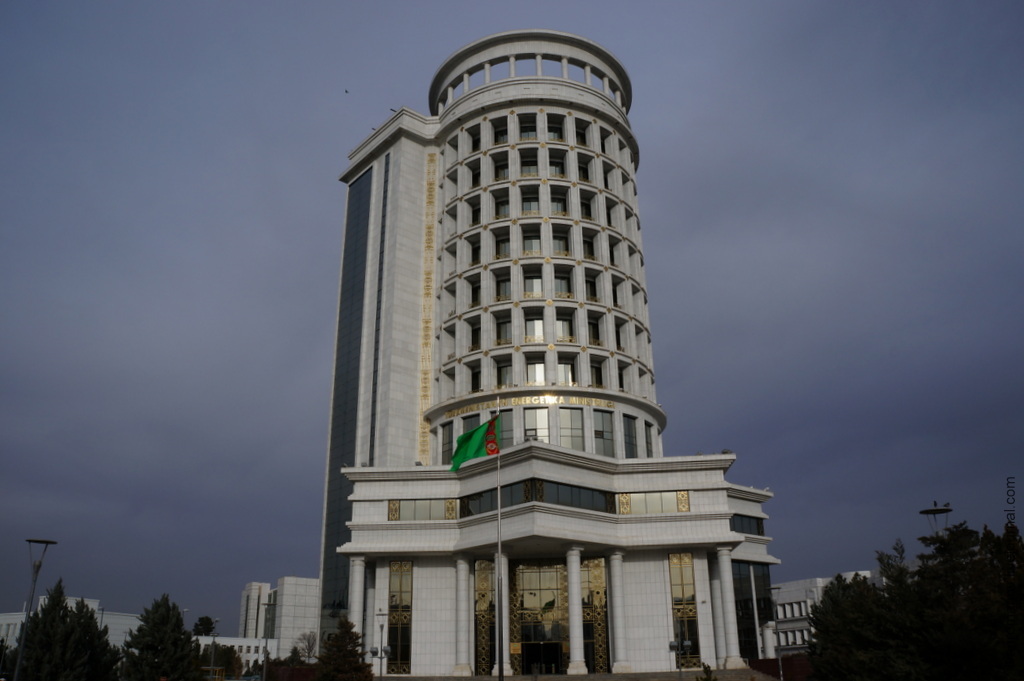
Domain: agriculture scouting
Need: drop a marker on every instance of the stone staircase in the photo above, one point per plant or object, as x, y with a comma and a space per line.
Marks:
688, 675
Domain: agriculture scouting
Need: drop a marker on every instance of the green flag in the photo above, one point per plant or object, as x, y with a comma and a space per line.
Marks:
481, 441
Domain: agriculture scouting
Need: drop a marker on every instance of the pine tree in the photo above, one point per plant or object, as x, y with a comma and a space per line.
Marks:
161, 646
955, 616
66, 644
90, 649
342, 656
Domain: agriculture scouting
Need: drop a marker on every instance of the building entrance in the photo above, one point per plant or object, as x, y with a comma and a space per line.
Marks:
539, 617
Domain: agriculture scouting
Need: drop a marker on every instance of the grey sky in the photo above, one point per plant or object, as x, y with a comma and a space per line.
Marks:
832, 210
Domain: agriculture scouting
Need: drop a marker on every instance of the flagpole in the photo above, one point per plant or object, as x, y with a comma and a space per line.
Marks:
500, 567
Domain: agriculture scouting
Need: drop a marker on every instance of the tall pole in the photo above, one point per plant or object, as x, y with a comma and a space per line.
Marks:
36, 566
499, 569
382, 618
213, 647
266, 643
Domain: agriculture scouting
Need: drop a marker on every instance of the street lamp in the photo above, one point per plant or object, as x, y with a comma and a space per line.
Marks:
36, 566
384, 652
778, 634
213, 648
675, 648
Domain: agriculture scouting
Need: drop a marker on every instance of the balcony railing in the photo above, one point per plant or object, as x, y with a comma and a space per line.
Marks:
564, 254
529, 213
532, 294
597, 342
529, 253
503, 341
565, 295
474, 347
502, 298
566, 339
533, 339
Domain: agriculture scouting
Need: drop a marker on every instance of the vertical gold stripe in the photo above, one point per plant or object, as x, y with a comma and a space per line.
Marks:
427, 312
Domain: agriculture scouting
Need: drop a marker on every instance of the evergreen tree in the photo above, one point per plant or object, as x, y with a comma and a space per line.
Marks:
66, 644
161, 646
954, 616
204, 626
342, 656
225, 657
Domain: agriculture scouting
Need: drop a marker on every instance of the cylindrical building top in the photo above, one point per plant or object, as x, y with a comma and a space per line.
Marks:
535, 53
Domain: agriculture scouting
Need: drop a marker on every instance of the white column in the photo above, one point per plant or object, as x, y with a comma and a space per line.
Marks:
462, 618
539, 60
565, 67
617, 599
577, 665
732, 638
501, 563
717, 617
487, 72
512, 66
356, 591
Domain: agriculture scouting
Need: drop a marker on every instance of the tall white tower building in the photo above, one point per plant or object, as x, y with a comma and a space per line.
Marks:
493, 262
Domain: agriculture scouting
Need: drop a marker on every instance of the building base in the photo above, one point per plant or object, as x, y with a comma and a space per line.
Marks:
577, 667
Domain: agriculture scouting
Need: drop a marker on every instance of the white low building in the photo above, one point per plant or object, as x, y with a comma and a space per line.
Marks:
793, 603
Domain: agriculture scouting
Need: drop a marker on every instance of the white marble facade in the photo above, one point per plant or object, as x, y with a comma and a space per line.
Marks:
493, 263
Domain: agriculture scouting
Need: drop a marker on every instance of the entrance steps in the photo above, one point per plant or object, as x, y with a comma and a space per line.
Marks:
687, 675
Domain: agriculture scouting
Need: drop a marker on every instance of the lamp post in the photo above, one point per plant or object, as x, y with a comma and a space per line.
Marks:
675, 649
213, 647
36, 566
778, 634
384, 652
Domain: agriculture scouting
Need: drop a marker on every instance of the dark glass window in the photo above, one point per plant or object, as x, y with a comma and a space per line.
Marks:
629, 436
746, 524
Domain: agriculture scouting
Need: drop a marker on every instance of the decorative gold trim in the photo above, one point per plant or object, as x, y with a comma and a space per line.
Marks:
682, 501
427, 309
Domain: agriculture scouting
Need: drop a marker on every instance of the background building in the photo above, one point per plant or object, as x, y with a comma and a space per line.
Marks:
793, 602
249, 649
493, 263
118, 624
283, 613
